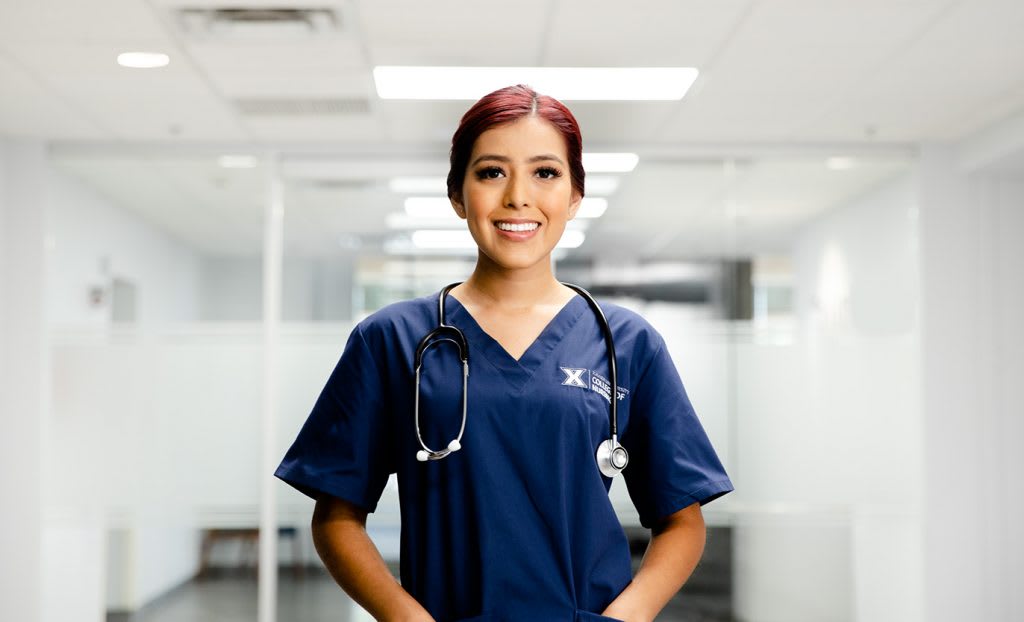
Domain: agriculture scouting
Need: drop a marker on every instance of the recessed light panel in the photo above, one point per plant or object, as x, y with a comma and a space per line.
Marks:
143, 60
610, 162
418, 185
566, 83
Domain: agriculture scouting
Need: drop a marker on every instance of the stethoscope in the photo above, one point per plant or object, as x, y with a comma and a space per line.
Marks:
611, 456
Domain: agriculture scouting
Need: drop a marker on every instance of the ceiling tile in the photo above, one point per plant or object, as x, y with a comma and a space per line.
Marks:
643, 33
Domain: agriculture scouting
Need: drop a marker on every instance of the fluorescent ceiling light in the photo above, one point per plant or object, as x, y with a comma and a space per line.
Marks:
402, 245
405, 221
566, 83
839, 163
443, 238
238, 161
143, 60
592, 208
601, 185
440, 208
428, 207
610, 162
418, 185
571, 238
460, 239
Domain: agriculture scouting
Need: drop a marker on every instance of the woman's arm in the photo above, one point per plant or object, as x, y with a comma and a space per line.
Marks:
339, 533
677, 544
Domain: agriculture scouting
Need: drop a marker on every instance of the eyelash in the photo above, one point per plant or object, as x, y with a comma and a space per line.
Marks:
549, 172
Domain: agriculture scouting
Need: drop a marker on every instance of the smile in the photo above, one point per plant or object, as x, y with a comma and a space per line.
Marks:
508, 226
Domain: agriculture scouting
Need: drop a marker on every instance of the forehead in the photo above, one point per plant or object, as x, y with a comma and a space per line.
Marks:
524, 137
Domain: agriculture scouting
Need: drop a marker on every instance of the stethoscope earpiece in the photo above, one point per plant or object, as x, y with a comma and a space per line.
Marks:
612, 457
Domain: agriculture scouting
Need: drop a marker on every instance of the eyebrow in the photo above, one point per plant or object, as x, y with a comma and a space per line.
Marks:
544, 157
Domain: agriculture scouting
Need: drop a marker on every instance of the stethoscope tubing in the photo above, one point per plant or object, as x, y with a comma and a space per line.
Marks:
612, 457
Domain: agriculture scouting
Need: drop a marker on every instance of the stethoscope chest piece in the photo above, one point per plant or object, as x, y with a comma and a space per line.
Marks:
612, 457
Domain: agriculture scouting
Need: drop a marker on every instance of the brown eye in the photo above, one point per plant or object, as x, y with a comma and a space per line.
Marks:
547, 172
490, 172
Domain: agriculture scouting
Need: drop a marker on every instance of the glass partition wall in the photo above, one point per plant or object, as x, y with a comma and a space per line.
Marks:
156, 344
200, 301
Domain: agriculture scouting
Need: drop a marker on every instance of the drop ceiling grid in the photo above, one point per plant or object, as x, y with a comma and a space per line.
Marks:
606, 124
784, 66
431, 123
28, 109
128, 103
148, 106
331, 130
935, 90
451, 32
332, 60
75, 22
71, 49
345, 84
645, 33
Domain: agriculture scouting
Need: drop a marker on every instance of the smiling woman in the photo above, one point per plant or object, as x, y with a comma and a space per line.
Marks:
512, 520
518, 195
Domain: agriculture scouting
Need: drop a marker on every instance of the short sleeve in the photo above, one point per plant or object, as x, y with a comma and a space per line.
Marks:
672, 464
343, 448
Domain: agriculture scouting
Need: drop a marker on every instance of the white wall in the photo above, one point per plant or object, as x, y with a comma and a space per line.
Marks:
23, 376
91, 242
972, 234
828, 428
95, 241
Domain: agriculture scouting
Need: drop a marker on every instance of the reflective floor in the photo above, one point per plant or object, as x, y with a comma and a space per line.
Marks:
312, 596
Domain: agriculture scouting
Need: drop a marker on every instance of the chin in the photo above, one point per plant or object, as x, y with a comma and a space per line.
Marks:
510, 261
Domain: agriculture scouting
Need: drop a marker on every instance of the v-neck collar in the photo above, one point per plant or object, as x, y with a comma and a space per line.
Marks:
517, 372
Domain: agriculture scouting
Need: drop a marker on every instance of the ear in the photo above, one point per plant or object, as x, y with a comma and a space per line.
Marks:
457, 205
574, 204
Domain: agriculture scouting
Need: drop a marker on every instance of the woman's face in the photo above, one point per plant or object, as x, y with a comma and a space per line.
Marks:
517, 195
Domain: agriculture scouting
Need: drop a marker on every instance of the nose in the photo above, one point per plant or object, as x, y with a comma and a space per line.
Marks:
517, 192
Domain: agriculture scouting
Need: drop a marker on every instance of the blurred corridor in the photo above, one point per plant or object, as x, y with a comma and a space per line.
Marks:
827, 228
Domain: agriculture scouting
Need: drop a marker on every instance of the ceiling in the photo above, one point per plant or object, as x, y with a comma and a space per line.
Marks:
736, 167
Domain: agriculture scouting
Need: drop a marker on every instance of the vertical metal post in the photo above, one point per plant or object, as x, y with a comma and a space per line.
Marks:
272, 259
732, 214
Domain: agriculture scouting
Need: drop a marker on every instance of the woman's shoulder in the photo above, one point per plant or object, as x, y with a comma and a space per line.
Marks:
409, 314
626, 319
631, 331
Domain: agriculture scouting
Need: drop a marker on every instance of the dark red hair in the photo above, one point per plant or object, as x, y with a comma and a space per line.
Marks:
505, 106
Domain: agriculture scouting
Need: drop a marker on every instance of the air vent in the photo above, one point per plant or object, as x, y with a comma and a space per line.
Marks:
276, 107
261, 23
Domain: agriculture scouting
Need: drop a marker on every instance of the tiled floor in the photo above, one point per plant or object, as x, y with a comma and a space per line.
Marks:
314, 597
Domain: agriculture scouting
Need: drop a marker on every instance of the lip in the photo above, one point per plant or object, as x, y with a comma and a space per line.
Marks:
516, 236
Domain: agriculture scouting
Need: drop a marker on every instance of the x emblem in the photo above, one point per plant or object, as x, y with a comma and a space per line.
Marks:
573, 377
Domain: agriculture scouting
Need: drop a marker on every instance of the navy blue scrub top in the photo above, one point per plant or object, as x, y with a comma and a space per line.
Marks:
518, 523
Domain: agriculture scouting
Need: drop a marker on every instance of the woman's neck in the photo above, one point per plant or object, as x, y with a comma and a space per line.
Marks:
512, 289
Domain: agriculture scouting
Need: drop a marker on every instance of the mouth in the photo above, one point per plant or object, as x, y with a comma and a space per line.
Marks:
516, 229
508, 225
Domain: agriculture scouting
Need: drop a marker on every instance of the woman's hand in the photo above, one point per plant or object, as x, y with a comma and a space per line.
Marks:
677, 544
339, 534
621, 612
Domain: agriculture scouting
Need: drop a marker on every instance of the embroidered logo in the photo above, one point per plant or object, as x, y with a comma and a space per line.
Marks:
589, 379
574, 377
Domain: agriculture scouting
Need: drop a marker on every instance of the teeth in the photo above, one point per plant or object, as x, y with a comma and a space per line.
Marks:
529, 226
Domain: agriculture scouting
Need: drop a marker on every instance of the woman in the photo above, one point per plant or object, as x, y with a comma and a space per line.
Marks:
516, 524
